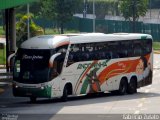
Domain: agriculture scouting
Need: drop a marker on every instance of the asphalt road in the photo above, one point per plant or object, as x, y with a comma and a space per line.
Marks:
102, 107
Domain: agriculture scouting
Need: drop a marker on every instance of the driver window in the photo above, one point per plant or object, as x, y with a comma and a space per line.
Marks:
58, 62
54, 72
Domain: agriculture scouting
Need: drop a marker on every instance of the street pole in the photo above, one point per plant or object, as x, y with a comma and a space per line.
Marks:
28, 22
84, 10
94, 16
7, 37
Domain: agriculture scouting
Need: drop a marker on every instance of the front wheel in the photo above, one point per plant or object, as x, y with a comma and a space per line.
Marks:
64, 97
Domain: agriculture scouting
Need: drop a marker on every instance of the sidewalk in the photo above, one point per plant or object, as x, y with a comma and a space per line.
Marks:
5, 79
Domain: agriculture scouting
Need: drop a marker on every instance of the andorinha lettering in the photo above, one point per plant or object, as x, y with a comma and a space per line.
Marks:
97, 65
34, 57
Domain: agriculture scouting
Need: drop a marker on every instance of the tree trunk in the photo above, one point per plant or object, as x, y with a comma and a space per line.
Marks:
62, 29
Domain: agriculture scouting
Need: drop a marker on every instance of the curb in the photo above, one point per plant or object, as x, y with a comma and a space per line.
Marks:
157, 52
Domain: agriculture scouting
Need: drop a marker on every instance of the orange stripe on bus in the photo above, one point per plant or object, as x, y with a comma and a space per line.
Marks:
63, 43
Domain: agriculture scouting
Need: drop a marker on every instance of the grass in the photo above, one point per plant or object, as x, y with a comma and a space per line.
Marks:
2, 32
3, 56
156, 45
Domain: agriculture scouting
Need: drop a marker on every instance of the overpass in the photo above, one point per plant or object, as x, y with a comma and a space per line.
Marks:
10, 23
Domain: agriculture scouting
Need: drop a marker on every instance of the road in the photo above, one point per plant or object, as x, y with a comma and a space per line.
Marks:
146, 101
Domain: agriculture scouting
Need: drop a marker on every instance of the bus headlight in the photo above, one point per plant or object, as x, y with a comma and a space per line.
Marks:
42, 88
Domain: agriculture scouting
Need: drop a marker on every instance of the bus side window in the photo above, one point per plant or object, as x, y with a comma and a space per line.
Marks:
54, 72
137, 51
108, 55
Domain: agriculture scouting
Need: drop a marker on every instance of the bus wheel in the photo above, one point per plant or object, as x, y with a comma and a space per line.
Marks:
33, 99
64, 97
132, 87
123, 87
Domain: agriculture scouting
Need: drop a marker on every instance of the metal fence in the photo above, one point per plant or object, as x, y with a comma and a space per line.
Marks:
114, 26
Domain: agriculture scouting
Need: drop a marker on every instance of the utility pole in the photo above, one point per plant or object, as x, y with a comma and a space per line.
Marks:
94, 16
85, 9
7, 37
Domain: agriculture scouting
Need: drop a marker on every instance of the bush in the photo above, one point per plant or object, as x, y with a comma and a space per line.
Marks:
21, 29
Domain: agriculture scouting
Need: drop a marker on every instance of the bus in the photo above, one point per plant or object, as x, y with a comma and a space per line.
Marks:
59, 66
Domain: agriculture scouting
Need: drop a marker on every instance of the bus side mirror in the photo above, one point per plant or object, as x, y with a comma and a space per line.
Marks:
52, 58
10, 61
9, 58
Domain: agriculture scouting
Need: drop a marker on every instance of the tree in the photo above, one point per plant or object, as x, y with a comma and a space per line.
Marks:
21, 28
59, 10
102, 7
133, 9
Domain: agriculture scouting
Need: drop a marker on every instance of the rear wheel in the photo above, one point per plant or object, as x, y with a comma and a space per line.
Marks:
132, 87
64, 97
123, 87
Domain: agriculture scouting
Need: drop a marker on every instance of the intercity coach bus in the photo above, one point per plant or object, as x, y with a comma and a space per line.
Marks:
58, 66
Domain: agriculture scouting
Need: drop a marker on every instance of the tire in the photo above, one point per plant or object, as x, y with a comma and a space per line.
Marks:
132, 87
123, 87
33, 99
64, 97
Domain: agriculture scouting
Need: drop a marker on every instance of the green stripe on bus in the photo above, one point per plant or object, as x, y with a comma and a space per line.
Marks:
86, 83
84, 86
79, 79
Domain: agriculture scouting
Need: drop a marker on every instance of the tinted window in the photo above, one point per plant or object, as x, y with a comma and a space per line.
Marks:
108, 50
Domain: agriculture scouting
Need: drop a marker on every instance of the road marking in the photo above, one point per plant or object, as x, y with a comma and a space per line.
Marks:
140, 105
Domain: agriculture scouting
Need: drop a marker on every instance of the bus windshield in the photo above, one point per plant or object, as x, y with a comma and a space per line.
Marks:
31, 66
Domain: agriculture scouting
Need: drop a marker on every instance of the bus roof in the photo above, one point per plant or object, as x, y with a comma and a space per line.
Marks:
53, 41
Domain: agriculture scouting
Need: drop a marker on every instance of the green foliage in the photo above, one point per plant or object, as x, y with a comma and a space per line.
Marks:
59, 10
127, 6
156, 45
21, 28
50, 31
3, 56
2, 32
102, 7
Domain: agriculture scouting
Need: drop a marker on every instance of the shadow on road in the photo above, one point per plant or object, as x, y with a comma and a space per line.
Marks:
75, 101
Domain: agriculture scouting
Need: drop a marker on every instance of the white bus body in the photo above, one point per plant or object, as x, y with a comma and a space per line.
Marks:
61, 65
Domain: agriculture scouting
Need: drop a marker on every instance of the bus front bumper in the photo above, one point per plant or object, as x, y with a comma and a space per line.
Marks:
42, 92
